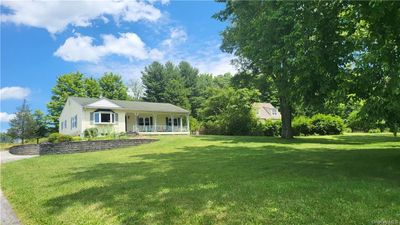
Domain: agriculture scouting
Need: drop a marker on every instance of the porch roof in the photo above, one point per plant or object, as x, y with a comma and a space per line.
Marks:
133, 105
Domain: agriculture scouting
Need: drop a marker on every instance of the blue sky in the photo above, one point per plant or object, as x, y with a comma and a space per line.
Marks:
41, 40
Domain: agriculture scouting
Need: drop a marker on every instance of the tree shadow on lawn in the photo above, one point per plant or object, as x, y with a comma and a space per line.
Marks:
333, 139
225, 184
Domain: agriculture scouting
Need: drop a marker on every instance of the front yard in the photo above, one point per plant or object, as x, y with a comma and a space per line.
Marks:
350, 179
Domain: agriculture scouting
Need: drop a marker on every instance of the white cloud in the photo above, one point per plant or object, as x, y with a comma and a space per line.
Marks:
55, 16
5, 117
14, 93
177, 35
217, 65
81, 48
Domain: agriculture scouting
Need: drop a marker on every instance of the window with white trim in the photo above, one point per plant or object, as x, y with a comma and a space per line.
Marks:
274, 112
104, 118
74, 121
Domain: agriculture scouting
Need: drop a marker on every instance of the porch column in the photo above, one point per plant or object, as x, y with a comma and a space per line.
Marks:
180, 120
187, 123
135, 123
154, 122
172, 123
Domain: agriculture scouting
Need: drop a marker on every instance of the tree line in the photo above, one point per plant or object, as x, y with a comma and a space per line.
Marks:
316, 55
329, 57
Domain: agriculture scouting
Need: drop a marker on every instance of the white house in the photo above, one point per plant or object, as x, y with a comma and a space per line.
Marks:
118, 116
265, 111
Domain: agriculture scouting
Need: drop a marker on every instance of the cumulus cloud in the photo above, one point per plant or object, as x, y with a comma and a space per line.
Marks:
217, 65
177, 35
55, 16
129, 45
5, 117
14, 93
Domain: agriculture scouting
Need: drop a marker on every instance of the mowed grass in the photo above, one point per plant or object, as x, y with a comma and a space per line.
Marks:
349, 179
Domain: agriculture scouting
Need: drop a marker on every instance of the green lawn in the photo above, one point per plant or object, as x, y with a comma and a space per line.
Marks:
350, 179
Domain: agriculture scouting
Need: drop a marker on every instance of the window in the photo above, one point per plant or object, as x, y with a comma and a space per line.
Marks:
62, 125
168, 121
74, 121
145, 121
104, 117
274, 112
65, 124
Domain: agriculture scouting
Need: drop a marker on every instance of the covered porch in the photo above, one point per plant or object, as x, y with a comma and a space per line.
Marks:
157, 123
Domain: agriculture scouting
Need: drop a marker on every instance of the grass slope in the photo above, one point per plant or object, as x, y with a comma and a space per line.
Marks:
351, 179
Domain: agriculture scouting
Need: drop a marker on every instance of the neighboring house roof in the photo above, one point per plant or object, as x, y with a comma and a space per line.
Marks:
129, 105
265, 110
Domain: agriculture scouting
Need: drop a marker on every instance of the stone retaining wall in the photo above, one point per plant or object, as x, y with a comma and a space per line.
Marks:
75, 147
25, 149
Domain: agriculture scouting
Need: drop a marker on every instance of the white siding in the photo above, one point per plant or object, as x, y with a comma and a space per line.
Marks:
69, 111
117, 127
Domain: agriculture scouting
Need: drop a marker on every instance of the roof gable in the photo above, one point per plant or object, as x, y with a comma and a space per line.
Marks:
103, 103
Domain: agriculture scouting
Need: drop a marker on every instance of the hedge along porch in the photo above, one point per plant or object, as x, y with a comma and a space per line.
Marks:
122, 116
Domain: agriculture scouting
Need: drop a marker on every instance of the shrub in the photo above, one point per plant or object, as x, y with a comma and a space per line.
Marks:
91, 132
64, 138
214, 127
57, 137
327, 124
302, 126
53, 138
376, 130
194, 124
272, 127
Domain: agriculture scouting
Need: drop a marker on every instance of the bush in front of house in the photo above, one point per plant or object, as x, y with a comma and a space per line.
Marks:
302, 125
91, 132
323, 124
57, 137
272, 127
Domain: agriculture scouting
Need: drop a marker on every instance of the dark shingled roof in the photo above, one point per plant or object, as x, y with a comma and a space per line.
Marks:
132, 105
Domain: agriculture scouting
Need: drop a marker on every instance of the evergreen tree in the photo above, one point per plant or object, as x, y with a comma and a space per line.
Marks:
22, 126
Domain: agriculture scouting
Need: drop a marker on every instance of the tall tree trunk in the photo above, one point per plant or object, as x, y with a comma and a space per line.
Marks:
286, 112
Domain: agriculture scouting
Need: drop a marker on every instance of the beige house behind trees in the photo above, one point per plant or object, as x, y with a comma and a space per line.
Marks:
265, 111
118, 116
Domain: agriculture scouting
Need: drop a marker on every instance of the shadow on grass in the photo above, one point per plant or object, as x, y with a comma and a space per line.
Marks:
334, 139
228, 184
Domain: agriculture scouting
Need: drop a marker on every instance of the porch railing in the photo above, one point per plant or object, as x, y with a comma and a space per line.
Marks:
160, 128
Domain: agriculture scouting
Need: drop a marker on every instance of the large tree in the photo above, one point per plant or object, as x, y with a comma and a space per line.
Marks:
92, 88
293, 43
112, 87
165, 83
23, 125
71, 84
375, 64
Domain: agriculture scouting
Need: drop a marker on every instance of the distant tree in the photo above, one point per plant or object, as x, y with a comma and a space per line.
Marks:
200, 93
165, 83
135, 89
92, 88
5, 138
41, 125
112, 87
153, 77
230, 111
22, 126
66, 85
